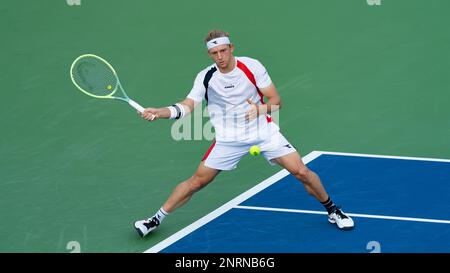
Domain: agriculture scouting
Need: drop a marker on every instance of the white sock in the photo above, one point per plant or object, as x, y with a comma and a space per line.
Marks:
161, 214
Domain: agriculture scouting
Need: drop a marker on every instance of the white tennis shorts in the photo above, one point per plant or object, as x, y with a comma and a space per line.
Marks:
225, 156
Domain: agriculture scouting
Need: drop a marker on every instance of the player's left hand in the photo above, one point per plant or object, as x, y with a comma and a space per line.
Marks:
253, 112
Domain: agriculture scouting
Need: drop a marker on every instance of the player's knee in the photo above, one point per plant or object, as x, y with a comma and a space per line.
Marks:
302, 173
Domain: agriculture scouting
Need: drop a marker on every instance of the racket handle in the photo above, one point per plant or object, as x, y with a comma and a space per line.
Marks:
136, 106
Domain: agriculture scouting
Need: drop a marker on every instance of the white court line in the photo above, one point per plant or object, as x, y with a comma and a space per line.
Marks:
349, 214
266, 183
226, 207
386, 156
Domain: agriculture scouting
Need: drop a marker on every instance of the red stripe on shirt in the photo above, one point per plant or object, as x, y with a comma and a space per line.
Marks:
251, 77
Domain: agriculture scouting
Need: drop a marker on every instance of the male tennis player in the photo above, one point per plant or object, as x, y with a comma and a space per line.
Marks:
233, 88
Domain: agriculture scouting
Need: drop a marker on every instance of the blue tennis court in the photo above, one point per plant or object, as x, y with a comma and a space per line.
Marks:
399, 205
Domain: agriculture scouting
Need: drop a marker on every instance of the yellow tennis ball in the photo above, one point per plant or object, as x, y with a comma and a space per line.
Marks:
254, 150
109, 87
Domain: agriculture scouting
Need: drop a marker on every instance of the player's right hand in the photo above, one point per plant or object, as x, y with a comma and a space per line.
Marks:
150, 114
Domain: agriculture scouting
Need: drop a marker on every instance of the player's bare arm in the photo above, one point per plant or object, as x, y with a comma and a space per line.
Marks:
184, 107
273, 103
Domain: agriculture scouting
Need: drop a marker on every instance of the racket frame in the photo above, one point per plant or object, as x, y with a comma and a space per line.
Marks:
125, 97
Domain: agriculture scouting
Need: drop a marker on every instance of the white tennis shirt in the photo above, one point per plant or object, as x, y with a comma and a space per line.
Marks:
226, 96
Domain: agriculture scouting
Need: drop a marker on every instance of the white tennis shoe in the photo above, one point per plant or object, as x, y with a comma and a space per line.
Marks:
342, 220
144, 227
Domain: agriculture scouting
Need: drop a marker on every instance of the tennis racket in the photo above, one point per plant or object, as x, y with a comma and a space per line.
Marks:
95, 77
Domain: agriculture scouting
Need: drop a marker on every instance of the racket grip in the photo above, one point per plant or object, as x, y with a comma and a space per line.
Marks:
136, 106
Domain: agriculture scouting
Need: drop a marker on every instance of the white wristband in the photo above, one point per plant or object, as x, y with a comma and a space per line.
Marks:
182, 110
176, 111
173, 112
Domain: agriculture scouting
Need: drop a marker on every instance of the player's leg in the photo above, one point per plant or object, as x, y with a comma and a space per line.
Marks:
179, 196
184, 191
292, 162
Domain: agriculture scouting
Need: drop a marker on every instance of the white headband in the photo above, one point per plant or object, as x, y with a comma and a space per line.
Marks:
217, 42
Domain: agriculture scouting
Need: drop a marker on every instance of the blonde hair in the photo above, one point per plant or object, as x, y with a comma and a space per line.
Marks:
216, 33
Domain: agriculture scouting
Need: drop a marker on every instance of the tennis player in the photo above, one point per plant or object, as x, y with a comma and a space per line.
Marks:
233, 88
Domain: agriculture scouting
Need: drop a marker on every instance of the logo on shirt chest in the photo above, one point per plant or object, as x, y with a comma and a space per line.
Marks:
229, 86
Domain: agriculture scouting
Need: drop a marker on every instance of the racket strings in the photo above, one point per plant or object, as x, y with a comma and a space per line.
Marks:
94, 76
